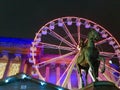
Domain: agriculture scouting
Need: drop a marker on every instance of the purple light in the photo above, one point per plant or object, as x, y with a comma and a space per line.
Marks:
87, 25
30, 60
74, 79
44, 30
38, 40
32, 54
69, 21
104, 35
112, 42
116, 46
52, 76
60, 23
96, 28
78, 23
18, 55
52, 25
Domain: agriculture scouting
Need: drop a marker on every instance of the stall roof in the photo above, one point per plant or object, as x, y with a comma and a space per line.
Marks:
23, 81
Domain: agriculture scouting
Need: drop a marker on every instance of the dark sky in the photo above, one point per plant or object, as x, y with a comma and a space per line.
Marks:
23, 18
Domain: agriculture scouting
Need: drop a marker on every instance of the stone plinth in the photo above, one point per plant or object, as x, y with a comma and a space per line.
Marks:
101, 85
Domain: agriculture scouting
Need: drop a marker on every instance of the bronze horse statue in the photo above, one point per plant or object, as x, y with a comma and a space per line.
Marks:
89, 58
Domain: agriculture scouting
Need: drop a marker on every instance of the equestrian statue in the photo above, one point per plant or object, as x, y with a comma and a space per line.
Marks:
89, 57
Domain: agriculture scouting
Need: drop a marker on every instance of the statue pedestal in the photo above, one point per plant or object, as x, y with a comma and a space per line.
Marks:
101, 85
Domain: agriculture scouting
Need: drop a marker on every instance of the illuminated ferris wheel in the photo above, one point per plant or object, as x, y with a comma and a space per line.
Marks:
56, 45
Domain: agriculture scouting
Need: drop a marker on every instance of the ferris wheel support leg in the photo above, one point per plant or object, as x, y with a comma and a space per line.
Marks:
63, 74
107, 77
70, 70
40, 76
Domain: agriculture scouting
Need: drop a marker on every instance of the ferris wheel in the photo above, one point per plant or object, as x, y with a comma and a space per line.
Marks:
58, 43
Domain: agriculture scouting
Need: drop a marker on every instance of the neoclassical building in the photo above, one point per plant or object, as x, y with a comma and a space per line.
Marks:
14, 56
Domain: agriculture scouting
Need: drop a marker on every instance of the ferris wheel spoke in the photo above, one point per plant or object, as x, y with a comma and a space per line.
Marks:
112, 69
102, 41
74, 60
107, 54
56, 58
47, 45
69, 34
54, 34
64, 73
78, 30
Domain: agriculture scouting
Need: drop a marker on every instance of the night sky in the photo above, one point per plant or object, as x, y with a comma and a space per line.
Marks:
23, 18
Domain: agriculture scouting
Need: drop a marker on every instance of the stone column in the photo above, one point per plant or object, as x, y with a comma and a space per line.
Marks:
7, 68
47, 73
22, 65
25, 68
58, 73
6, 57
